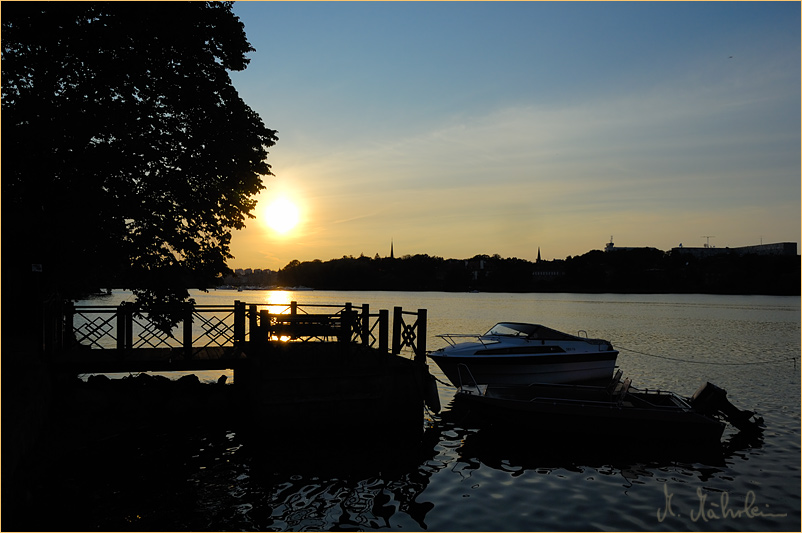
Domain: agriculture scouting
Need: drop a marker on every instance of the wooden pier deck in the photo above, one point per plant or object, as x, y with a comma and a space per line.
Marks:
106, 339
335, 367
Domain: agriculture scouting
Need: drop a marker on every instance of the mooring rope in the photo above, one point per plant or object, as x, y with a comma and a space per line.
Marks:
618, 346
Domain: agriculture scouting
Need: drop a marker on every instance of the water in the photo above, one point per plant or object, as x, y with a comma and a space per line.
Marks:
463, 476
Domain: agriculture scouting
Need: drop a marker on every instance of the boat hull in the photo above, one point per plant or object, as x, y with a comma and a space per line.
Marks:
591, 417
527, 369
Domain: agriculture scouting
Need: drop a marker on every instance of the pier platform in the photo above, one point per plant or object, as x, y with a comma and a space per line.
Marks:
335, 368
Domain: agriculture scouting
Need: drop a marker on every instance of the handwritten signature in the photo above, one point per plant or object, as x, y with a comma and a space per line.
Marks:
711, 510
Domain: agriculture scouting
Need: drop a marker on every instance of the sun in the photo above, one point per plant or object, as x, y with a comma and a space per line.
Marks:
281, 215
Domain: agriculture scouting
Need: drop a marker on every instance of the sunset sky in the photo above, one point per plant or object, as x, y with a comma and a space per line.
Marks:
455, 129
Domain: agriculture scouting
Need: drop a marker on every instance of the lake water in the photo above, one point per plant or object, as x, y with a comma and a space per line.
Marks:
464, 477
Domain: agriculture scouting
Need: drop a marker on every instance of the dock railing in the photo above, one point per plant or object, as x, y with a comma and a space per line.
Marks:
410, 335
238, 327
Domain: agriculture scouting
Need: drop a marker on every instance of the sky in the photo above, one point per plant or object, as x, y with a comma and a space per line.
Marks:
461, 128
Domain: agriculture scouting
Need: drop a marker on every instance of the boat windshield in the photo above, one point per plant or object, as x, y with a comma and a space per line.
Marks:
530, 331
513, 329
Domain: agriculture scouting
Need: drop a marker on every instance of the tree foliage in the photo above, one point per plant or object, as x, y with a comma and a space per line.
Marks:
129, 155
626, 271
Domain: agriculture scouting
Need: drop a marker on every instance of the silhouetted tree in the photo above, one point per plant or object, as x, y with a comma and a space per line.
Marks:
128, 154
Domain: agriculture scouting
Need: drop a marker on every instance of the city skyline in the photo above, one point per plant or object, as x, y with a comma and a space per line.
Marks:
460, 129
779, 248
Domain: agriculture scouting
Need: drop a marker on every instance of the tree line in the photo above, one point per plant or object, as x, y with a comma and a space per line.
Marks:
625, 271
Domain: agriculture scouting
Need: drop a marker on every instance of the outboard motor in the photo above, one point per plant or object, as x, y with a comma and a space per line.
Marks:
712, 401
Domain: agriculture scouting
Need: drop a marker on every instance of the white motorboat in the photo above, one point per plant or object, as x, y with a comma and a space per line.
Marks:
514, 353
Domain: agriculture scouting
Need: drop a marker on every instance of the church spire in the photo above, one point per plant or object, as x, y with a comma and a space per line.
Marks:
391, 249
538, 254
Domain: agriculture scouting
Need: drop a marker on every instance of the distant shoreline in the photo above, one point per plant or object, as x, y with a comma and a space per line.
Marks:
629, 271
292, 289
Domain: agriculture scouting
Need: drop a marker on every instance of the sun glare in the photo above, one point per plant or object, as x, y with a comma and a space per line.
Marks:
281, 215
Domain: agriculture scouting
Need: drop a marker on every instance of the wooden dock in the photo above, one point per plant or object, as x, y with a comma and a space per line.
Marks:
334, 365
104, 339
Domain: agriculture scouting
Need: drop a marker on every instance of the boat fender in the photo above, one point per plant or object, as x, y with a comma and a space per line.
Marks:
432, 397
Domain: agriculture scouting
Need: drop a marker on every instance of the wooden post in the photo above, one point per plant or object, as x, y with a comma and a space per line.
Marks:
253, 324
384, 328
239, 323
129, 327
348, 326
346, 331
264, 326
68, 332
397, 319
365, 330
420, 350
293, 308
121, 327
188, 332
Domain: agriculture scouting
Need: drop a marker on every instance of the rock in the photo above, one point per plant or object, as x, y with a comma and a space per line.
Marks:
98, 381
190, 380
144, 380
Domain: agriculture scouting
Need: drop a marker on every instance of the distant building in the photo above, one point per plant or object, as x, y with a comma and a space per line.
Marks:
779, 248
611, 247
548, 271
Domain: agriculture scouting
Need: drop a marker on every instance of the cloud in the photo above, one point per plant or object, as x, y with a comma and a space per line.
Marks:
651, 141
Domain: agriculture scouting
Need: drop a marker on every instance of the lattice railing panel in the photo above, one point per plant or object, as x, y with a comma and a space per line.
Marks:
147, 335
214, 330
408, 335
94, 330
